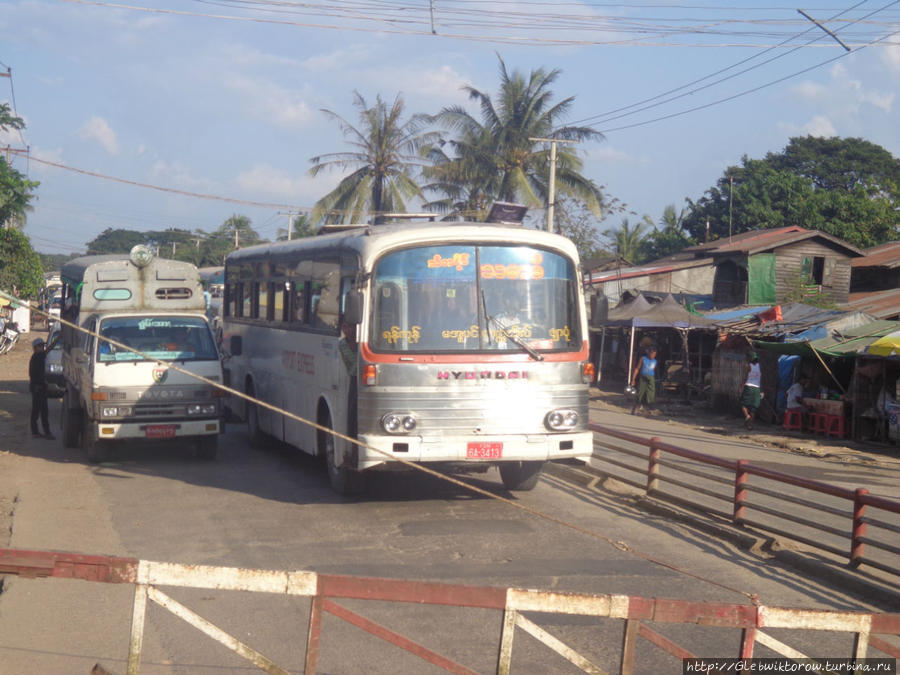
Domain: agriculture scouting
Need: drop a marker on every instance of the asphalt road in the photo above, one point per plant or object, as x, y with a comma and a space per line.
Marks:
272, 509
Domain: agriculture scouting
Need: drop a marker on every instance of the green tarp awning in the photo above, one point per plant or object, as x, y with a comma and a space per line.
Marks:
846, 343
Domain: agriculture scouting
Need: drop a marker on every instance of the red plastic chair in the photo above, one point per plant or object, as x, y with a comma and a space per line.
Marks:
793, 420
834, 426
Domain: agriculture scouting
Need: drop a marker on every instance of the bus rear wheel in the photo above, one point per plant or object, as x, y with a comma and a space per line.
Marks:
521, 476
344, 481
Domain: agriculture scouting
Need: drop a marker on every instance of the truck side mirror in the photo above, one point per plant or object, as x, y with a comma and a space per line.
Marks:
353, 305
235, 345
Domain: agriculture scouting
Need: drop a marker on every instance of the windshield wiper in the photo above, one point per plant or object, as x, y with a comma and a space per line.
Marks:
505, 331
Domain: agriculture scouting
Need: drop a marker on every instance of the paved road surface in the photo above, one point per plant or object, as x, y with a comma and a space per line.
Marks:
272, 509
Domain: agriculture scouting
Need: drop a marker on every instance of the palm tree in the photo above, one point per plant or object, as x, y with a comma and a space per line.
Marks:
383, 162
628, 238
496, 157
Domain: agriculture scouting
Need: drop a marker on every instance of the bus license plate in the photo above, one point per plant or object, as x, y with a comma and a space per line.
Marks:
160, 431
484, 450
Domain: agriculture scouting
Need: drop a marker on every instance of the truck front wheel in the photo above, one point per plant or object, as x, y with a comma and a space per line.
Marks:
97, 450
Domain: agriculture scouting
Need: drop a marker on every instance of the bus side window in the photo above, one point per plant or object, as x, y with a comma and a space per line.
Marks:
325, 294
279, 295
298, 301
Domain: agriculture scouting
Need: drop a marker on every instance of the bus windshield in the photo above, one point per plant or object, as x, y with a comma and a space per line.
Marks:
463, 298
166, 338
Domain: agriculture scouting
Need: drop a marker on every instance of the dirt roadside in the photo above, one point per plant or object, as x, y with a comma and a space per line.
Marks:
15, 408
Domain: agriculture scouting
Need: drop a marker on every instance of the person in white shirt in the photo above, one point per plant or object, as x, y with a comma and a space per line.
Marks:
751, 393
795, 395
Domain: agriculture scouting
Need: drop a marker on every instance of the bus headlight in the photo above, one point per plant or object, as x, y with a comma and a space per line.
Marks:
398, 423
201, 409
561, 420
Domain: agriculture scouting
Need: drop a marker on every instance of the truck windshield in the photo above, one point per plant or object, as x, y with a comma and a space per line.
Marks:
463, 298
167, 338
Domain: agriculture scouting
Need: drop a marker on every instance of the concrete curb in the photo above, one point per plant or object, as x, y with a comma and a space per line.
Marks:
881, 593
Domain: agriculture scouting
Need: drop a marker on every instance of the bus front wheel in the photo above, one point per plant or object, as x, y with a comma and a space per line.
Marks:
521, 476
344, 481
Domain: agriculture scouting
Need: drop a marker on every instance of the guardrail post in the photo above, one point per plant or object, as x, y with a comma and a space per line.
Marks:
740, 492
857, 545
653, 466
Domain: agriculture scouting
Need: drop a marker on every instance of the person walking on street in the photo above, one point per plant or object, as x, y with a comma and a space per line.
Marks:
751, 393
644, 378
37, 385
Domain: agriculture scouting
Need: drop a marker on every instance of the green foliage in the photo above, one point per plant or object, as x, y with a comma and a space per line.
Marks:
576, 222
15, 189
845, 187
627, 239
384, 159
495, 158
53, 262
200, 248
20, 266
799, 287
666, 241
115, 241
301, 226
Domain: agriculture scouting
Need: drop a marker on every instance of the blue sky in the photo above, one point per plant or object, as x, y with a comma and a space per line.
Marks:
223, 99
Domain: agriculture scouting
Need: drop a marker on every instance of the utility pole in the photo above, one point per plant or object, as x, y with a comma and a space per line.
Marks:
173, 249
551, 185
290, 225
730, 203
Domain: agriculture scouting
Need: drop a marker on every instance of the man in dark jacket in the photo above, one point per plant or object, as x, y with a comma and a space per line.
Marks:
37, 384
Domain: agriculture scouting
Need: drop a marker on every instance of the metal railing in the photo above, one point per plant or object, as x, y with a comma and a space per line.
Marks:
856, 523
640, 617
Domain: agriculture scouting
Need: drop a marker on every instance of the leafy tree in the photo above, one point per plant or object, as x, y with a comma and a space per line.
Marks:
576, 222
15, 189
496, 158
385, 158
20, 265
842, 164
301, 226
668, 240
115, 241
819, 184
628, 238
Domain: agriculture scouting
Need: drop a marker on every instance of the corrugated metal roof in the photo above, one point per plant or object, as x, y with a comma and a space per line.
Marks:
886, 255
645, 270
880, 304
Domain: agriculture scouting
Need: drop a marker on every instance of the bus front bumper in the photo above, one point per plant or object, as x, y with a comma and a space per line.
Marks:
152, 431
485, 449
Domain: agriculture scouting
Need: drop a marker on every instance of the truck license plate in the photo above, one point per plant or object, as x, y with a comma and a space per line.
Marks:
484, 450
160, 431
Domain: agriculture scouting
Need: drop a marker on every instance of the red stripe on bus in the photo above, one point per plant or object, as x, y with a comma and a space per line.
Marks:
481, 357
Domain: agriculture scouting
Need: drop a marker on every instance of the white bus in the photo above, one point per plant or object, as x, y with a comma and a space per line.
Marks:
472, 347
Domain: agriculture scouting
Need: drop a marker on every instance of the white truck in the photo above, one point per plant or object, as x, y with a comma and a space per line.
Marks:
142, 315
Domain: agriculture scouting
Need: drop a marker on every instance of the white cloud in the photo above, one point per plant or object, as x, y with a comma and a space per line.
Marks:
269, 182
98, 130
285, 107
607, 153
819, 126
891, 57
178, 176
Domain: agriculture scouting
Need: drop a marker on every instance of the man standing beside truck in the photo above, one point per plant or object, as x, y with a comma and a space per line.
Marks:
37, 385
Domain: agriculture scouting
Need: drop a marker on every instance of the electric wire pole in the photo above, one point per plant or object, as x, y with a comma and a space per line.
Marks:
551, 184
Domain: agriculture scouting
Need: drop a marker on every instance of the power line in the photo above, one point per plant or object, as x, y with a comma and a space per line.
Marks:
199, 195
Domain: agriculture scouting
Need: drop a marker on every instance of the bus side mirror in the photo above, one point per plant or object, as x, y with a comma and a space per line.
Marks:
599, 310
235, 345
353, 307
